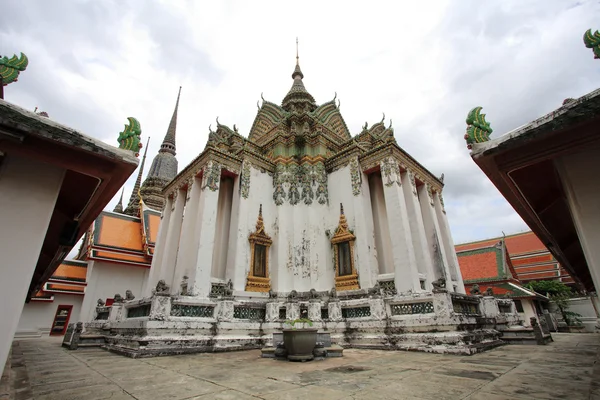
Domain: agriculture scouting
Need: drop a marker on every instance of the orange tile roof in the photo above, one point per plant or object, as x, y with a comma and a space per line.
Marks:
518, 243
479, 265
118, 231
71, 271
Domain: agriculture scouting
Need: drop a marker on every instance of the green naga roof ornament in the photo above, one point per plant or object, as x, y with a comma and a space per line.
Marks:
592, 41
478, 130
11, 67
129, 139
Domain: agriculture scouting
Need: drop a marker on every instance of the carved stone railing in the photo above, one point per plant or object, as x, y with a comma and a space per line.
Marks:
190, 310
102, 313
139, 311
388, 287
249, 312
421, 307
356, 312
466, 305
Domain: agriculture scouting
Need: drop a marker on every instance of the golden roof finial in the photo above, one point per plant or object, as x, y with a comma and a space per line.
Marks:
260, 225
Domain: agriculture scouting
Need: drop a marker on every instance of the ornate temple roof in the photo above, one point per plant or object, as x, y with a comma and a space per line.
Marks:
122, 239
530, 258
164, 166
69, 278
489, 265
298, 99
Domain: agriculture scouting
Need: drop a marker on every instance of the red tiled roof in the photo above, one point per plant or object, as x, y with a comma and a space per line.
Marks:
519, 243
478, 265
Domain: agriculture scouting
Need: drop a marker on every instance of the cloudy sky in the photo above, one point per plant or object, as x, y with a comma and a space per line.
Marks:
425, 64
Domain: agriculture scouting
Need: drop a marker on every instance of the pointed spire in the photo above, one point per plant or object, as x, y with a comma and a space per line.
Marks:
168, 144
119, 207
133, 207
298, 99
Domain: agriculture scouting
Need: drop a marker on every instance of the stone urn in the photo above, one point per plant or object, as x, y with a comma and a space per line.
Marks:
300, 343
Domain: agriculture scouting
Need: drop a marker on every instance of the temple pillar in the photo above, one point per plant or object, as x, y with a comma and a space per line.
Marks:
159, 249
173, 236
406, 274
448, 243
238, 247
206, 225
186, 257
433, 234
417, 228
367, 268
28, 193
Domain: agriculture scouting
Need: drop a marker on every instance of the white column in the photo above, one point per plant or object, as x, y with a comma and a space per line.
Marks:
186, 256
446, 236
199, 282
28, 193
173, 237
432, 231
364, 256
237, 260
417, 227
222, 233
403, 255
159, 248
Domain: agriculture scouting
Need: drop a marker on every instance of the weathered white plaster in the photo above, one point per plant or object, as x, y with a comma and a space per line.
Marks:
160, 248
104, 280
448, 243
383, 241
28, 193
432, 231
224, 204
167, 268
423, 256
37, 316
186, 256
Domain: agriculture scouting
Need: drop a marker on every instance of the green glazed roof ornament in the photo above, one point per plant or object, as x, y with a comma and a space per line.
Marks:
11, 67
592, 41
129, 139
478, 130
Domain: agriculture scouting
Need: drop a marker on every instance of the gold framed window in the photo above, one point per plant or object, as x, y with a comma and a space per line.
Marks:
346, 277
260, 243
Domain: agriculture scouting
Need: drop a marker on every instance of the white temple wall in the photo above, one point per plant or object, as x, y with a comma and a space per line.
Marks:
243, 223
405, 264
159, 249
383, 241
199, 282
37, 316
105, 279
360, 220
422, 252
579, 175
219, 261
28, 193
446, 236
169, 259
432, 232
186, 255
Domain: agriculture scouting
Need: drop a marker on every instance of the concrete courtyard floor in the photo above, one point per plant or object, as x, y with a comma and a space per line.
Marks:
565, 369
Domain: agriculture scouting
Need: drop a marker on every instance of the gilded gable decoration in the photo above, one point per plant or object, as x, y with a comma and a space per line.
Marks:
346, 277
260, 243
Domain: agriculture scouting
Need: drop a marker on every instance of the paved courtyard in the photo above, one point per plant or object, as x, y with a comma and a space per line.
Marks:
565, 369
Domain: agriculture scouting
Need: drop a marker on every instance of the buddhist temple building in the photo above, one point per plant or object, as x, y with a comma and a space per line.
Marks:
531, 260
487, 267
54, 181
301, 217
